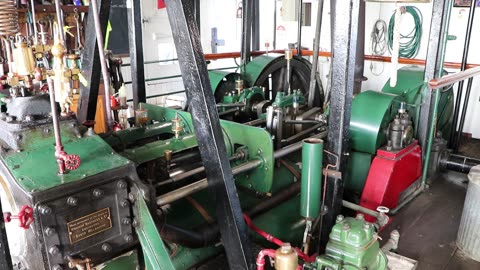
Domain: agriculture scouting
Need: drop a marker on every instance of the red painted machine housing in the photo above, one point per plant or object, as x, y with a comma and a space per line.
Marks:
391, 174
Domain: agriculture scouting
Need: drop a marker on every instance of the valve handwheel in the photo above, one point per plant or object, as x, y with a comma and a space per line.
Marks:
72, 162
25, 217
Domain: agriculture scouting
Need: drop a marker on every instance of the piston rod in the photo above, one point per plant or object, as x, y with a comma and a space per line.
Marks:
202, 184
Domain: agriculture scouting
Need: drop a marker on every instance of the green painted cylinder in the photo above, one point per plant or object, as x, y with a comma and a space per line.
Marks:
312, 154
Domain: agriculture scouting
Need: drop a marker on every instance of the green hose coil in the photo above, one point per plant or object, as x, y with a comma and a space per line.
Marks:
409, 43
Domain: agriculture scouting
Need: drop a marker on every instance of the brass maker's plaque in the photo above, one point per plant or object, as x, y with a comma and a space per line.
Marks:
89, 225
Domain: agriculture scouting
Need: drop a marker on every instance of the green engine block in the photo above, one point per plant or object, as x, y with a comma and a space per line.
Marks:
353, 245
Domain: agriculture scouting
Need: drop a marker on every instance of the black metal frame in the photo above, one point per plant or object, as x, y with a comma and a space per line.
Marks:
344, 47
5, 259
456, 134
434, 63
135, 41
87, 106
209, 134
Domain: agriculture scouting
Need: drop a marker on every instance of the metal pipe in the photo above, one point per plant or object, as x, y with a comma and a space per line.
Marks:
302, 133
53, 104
466, 48
392, 242
190, 173
296, 146
103, 63
274, 24
34, 18
227, 105
302, 122
459, 163
299, 33
312, 164
60, 22
358, 208
202, 184
458, 136
453, 78
431, 133
255, 122
316, 47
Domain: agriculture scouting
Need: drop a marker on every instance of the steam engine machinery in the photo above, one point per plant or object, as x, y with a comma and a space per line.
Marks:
142, 196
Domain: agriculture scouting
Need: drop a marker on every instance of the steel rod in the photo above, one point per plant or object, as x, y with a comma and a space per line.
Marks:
359, 208
296, 146
316, 47
202, 184
299, 27
60, 22
34, 18
458, 135
103, 63
466, 49
53, 105
453, 78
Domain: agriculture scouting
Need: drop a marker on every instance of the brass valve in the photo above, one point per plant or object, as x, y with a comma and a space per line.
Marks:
177, 126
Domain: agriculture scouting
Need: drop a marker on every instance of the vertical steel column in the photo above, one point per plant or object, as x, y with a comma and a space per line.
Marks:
299, 26
457, 135
360, 61
316, 47
345, 16
434, 62
274, 25
256, 26
5, 259
135, 42
209, 134
196, 4
245, 54
87, 106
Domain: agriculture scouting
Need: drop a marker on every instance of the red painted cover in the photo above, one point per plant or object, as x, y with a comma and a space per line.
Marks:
391, 173
161, 4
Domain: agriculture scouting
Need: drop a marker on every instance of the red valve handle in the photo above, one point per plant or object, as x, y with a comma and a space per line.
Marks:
72, 162
25, 217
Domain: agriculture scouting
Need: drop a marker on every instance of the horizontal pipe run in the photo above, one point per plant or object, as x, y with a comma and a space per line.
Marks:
358, 208
459, 163
302, 133
229, 105
454, 78
255, 122
296, 146
202, 184
190, 173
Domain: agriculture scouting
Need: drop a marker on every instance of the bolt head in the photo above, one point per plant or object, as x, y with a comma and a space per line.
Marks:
360, 216
50, 231
57, 267
72, 201
45, 210
125, 203
97, 192
128, 238
54, 250
340, 218
106, 247
121, 184
126, 221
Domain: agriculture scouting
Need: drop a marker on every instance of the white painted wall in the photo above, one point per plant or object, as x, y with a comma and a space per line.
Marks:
222, 15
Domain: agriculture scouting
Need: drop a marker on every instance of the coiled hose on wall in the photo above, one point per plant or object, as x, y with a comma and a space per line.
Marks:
409, 43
